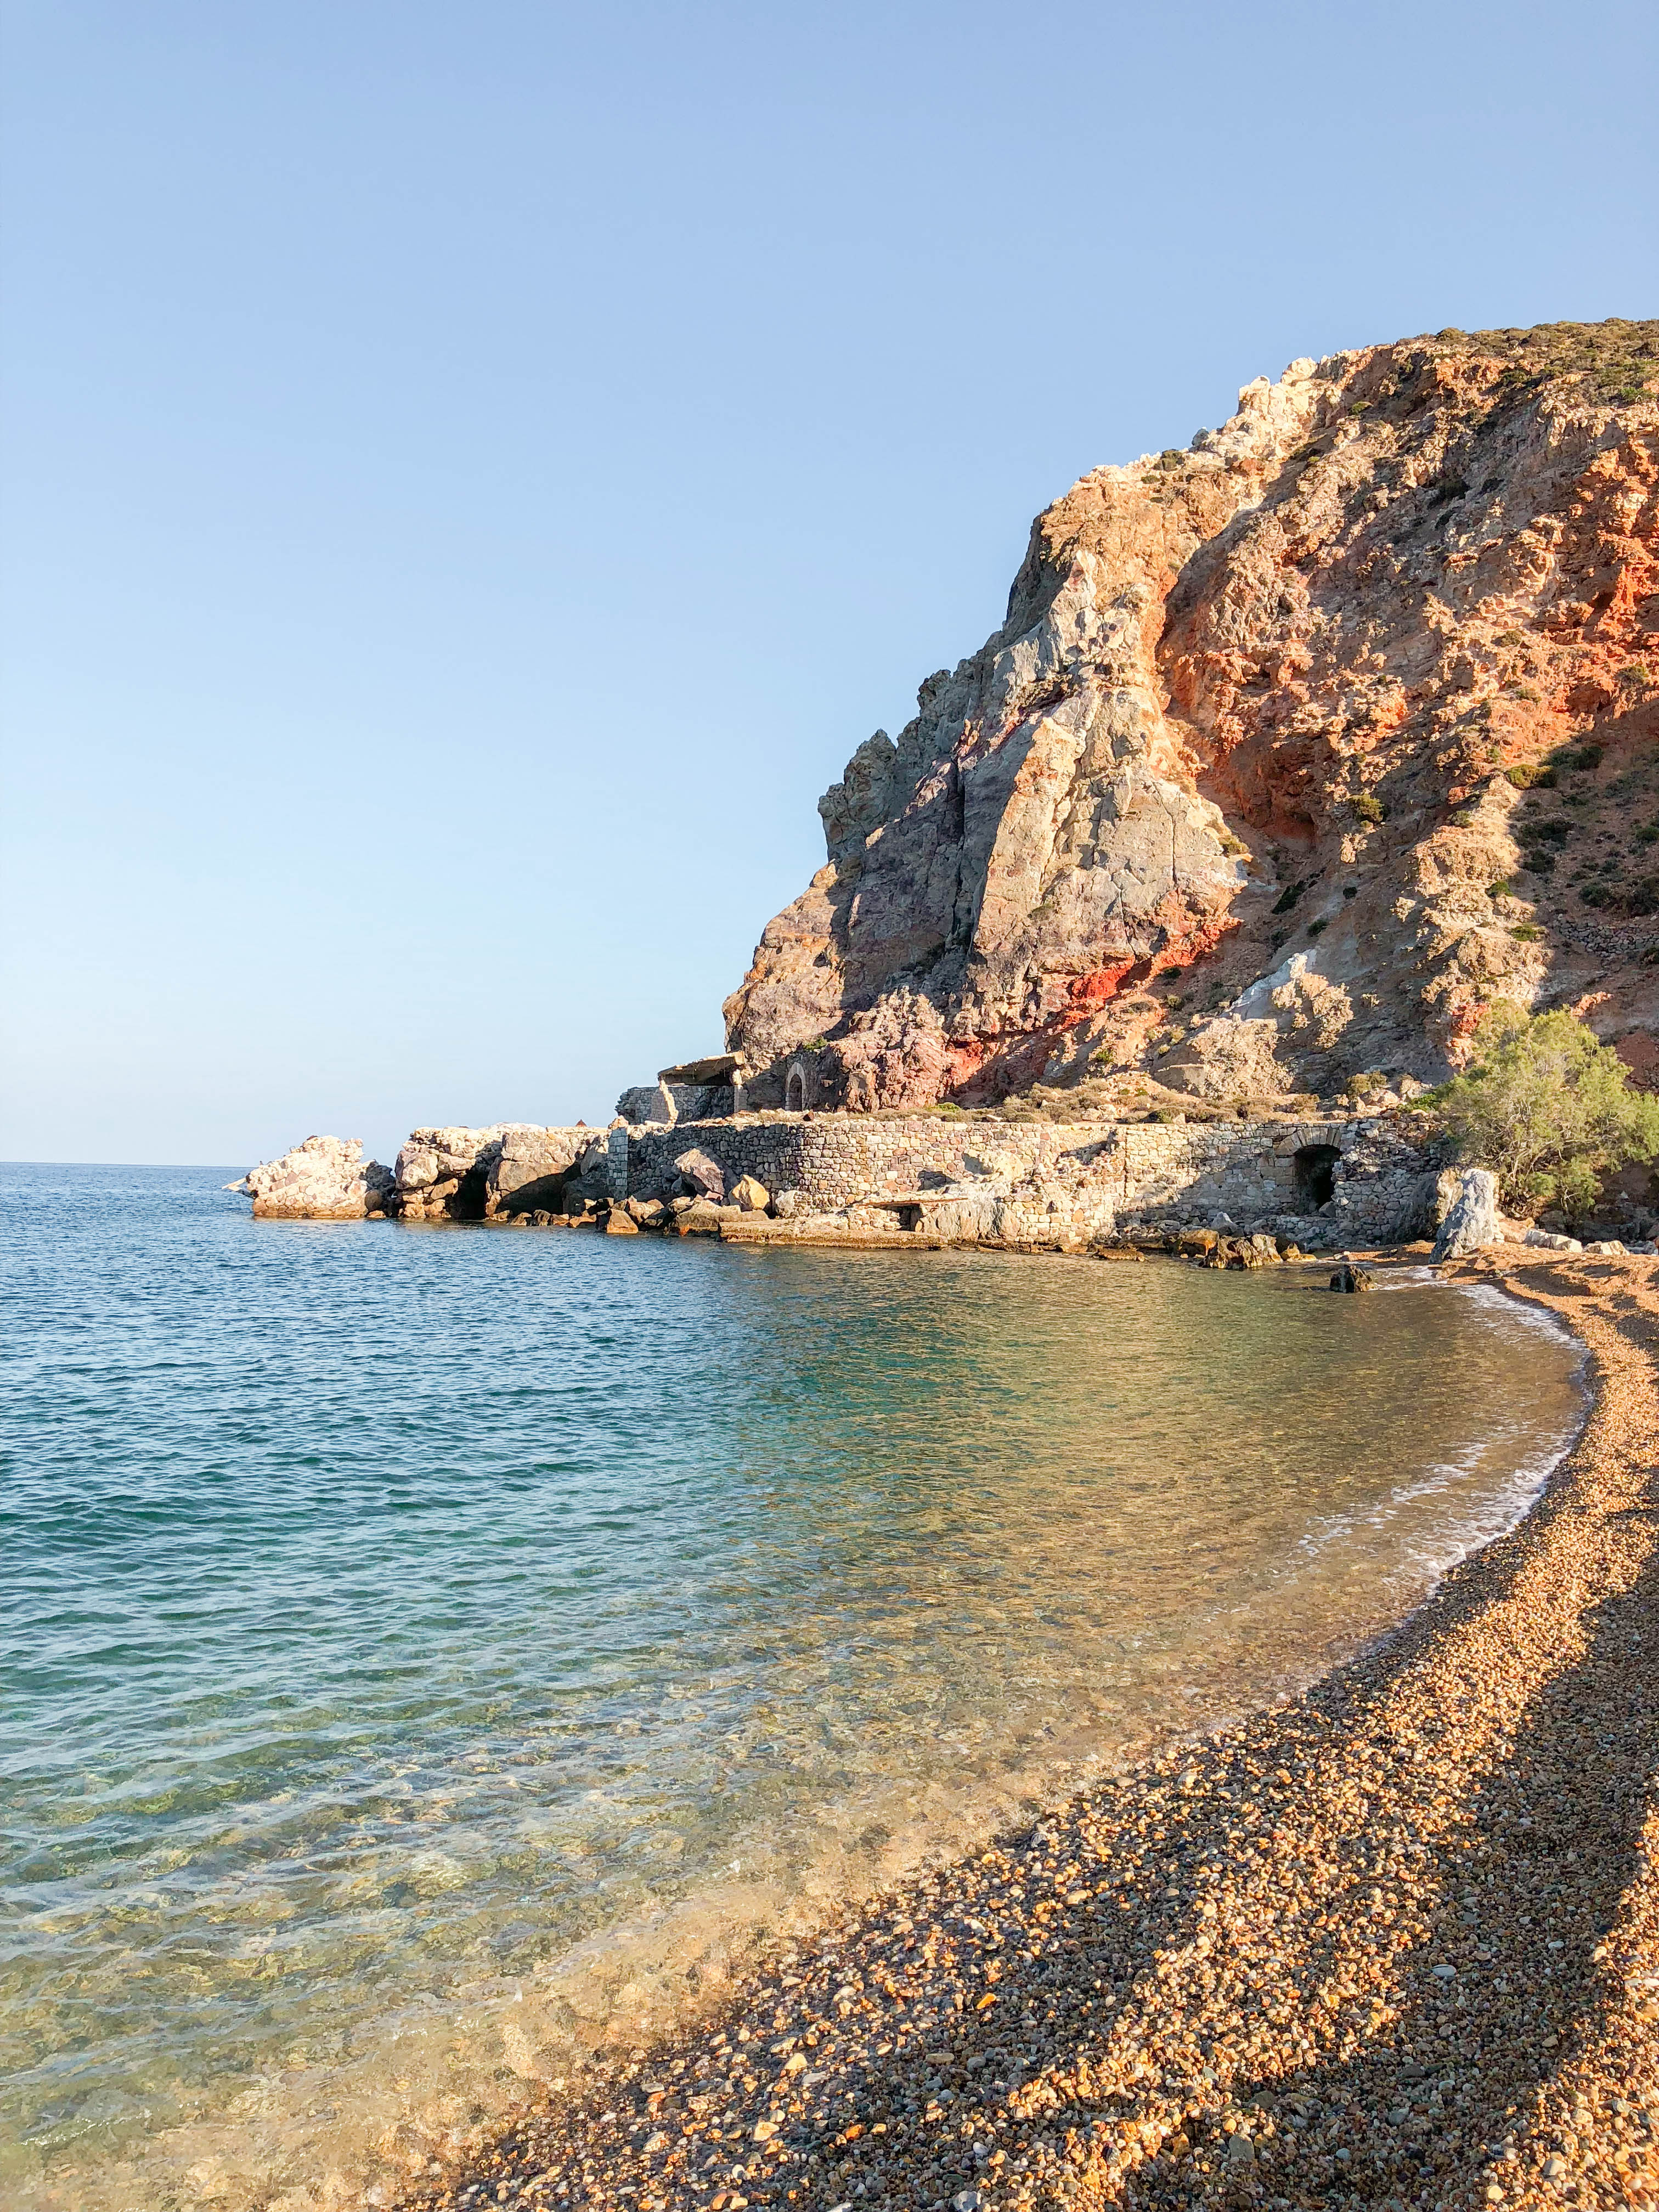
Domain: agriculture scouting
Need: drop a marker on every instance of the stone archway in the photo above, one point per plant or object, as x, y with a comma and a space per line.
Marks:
1316, 1175
794, 1089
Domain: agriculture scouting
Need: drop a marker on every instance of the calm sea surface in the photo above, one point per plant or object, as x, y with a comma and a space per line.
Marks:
426, 1650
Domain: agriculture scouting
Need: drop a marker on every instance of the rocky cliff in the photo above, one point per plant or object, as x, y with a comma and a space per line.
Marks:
1295, 749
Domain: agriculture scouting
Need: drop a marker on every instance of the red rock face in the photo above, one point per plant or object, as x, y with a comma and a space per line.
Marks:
1343, 722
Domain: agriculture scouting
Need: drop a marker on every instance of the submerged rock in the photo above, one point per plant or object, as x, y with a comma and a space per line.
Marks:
1350, 1278
325, 1179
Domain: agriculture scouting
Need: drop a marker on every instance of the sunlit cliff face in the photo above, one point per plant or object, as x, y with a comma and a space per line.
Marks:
1296, 750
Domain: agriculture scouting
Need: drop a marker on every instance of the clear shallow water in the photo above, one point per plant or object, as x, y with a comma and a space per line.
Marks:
424, 1649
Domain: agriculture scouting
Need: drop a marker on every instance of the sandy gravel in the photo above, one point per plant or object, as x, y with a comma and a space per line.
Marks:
1395, 1943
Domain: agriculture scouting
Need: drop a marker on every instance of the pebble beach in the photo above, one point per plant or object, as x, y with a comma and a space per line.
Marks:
1393, 1942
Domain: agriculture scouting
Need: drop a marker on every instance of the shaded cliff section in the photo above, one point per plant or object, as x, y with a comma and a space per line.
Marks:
1297, 747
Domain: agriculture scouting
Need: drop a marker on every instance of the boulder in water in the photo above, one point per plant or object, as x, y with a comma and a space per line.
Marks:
325, 1179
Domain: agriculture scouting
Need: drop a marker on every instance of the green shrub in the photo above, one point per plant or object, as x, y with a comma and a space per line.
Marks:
1314, 927
1528, 932
1637, 899
1370, 808
1577, 758
1532, 776
1546, 1108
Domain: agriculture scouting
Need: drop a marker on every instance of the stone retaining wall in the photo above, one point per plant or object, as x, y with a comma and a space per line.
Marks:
1053, 1184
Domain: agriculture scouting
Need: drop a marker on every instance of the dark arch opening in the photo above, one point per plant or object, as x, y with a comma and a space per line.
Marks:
794, 1090
470, 1198
1316, 1175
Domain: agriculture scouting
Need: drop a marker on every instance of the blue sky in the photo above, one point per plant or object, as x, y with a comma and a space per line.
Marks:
474, 475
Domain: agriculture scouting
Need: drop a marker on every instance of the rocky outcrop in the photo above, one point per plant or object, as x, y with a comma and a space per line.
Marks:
514, 1167
1241, 1192
325, 1179
1297, 747
537, 1167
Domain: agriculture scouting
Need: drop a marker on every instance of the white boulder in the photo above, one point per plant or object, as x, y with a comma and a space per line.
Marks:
1546, 1240
325, 1179
1471, 1221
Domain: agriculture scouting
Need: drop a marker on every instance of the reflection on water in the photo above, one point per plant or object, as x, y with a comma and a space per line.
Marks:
425, 1648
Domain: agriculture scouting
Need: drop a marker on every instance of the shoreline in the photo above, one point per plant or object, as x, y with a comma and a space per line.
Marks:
1212, 1976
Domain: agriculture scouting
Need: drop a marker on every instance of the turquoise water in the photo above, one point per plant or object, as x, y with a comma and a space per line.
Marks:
427, 1650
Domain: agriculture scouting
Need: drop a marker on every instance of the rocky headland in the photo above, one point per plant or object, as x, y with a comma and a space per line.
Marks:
1298, 747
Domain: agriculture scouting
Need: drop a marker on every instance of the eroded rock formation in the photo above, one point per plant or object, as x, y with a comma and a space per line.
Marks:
325, 1179
1295, 749
515, 1167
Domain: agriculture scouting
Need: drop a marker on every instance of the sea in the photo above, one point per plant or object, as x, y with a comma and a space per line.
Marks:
431, 1654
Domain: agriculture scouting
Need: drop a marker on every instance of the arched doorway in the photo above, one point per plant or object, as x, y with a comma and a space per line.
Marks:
795, 1090
1316, 1175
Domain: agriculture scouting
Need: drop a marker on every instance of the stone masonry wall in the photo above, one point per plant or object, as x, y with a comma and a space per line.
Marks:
1049, 1183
